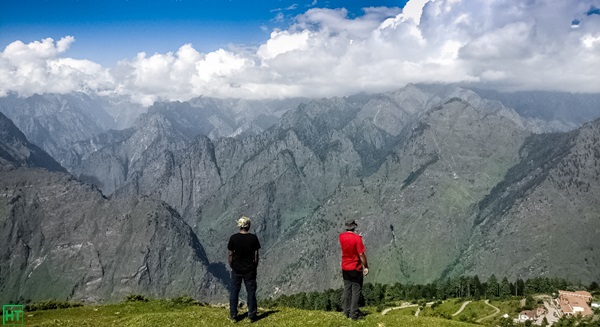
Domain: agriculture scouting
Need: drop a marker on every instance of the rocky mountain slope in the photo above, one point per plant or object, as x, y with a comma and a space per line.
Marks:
55, 122
16, 151
413, 211
410, 165
63, 125
61, 238
413, 167
441, 181
543, 219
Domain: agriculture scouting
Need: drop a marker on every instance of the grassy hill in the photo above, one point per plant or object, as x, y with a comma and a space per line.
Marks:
167, 313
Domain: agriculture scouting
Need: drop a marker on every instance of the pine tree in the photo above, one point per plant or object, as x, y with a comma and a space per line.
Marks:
493, 288
504, 288
477, 288
520, 287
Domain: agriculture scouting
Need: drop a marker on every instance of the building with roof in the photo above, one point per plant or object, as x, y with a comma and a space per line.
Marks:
574, 303
527, 315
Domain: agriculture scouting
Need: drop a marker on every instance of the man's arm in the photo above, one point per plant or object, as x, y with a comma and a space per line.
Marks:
256, 257
230, 258
363, 262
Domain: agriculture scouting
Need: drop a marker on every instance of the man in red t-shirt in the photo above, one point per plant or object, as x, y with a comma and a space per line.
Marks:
354, 267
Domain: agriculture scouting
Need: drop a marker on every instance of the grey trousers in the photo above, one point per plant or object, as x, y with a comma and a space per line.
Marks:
353, 282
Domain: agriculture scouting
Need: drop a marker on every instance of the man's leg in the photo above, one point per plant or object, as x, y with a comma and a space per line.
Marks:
234, 293
357, 282
250, 283
347, 295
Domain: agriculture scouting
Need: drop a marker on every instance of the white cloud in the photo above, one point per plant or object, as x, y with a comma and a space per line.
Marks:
413, 10
589, 41
37, 68
282, 42
178, 76
511, 45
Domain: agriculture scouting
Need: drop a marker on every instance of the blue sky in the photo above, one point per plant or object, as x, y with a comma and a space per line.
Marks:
110, 30
180, 49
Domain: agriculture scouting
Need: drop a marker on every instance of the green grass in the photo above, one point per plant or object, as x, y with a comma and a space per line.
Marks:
403, 312
474, 311
510, 307
449, 307
166, 313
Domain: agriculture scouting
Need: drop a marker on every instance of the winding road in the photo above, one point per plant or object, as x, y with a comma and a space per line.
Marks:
488, 316
462, 307
404, 305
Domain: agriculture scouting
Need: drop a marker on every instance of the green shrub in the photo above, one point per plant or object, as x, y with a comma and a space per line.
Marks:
136, 298
51, 304
186, 300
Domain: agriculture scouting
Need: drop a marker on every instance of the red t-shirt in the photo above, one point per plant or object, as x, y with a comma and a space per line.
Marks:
352, 246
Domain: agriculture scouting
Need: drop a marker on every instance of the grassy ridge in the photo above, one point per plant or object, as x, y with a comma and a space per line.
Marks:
165, 313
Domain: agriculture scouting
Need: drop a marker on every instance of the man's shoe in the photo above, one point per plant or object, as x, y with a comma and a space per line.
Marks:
253, 319
359, 316
233, 319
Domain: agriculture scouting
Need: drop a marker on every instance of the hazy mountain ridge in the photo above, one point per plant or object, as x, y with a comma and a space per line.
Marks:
55, 122
16, 151
560, 107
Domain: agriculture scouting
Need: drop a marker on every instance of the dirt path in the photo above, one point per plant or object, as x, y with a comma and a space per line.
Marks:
407, 305
488, 316
404, 305
462, 307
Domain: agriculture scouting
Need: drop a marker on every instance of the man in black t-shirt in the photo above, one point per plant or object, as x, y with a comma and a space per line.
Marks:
243, 260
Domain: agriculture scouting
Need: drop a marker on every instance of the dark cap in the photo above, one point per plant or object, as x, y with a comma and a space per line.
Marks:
351, 224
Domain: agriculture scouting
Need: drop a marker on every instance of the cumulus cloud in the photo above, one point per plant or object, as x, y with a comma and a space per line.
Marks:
37, 67
510, 45
181, 75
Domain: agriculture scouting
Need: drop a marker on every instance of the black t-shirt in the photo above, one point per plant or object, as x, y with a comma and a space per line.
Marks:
243, 247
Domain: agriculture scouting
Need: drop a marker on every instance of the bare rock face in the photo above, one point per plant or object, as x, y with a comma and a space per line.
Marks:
414, 210
16, 151
54, 122
63, 239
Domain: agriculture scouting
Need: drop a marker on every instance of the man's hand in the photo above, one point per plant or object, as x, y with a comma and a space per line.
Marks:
363, 262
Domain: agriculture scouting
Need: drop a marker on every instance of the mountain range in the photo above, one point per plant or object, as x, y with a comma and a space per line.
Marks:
62, 238
442, 180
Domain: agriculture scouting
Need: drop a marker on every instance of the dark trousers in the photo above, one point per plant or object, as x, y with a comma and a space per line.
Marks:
234, 293
353, 281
